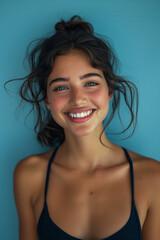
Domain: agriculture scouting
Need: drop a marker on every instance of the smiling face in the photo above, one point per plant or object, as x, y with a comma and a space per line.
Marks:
77, 94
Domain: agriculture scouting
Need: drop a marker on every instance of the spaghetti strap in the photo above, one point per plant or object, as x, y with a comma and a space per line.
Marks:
48, 173
128, 158
131, 172
47, 229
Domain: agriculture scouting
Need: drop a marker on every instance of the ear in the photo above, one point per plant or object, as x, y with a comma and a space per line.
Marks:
110, 93
46, 102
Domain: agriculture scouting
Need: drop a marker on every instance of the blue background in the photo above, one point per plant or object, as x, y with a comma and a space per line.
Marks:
133, 29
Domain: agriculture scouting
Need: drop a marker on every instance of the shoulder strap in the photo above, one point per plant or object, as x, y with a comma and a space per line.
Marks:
131, 172
48, 172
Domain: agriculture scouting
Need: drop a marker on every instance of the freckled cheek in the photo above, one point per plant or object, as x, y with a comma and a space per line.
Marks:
57, 104
100, 97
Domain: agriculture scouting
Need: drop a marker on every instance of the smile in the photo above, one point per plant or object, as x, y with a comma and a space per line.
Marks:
80, 115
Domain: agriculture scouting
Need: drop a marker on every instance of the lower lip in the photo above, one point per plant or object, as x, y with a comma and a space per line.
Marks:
80, 120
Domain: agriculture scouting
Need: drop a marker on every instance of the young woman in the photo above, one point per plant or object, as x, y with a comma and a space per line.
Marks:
85, 187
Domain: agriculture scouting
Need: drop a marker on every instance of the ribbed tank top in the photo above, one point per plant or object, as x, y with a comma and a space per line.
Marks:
48, 230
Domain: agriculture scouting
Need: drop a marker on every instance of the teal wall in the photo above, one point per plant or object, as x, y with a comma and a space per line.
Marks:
132, 26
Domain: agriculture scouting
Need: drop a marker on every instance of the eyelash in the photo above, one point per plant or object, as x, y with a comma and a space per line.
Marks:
57, 89
95, 84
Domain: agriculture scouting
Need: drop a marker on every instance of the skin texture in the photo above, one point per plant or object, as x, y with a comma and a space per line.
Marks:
76, 94
89, 185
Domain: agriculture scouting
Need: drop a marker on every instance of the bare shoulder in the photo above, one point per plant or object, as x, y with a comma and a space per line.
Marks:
29, 174
144, 163
146, 169
147, 194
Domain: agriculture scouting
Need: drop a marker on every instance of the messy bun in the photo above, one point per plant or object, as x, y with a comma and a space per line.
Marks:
75, 23
69, 35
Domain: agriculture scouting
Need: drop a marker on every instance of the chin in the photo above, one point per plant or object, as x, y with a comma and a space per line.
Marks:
84, 131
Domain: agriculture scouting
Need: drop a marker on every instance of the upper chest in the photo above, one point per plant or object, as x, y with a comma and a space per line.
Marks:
85, 201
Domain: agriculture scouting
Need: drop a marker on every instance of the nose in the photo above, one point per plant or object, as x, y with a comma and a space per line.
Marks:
78, 97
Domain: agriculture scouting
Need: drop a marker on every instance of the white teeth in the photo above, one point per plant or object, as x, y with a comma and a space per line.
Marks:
80, 115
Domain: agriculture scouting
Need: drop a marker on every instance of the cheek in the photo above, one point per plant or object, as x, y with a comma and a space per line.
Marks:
100, 97
57, 105
56, 109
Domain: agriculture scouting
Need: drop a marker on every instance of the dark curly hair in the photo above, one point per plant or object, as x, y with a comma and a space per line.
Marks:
73, 34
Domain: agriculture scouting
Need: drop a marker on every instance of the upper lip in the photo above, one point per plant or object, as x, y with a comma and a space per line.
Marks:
79, 110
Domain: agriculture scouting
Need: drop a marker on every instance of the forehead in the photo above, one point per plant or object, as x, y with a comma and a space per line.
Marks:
74, 62
74, 56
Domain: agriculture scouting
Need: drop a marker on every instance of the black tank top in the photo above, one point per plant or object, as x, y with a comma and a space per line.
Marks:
48, 230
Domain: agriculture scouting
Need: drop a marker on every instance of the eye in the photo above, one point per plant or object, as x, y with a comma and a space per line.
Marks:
91, 84
60, 88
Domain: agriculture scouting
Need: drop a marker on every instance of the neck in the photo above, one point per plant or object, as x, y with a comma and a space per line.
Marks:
85, 152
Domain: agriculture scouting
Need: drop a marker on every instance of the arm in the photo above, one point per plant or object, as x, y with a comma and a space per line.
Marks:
151, 227
23, 192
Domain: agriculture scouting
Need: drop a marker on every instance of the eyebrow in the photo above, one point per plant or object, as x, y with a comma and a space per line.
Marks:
87, 75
